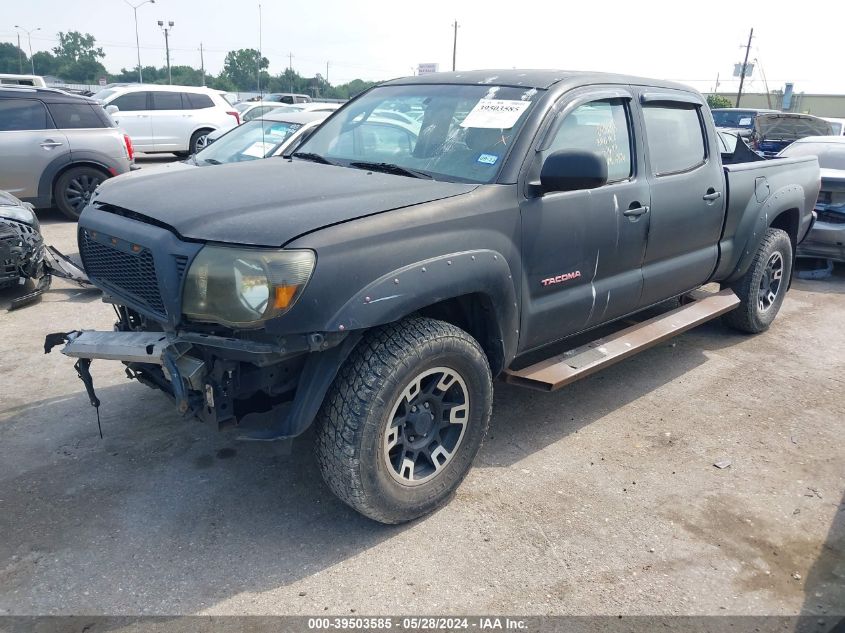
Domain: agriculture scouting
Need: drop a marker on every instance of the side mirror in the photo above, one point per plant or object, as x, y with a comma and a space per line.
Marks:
112, 109
572, 170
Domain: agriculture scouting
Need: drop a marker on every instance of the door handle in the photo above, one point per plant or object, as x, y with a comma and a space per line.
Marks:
711, 195
636, 211
50, 143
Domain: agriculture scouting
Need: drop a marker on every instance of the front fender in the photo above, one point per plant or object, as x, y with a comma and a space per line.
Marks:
416, 286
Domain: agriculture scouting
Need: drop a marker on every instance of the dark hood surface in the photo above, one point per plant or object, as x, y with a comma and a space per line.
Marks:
266, 202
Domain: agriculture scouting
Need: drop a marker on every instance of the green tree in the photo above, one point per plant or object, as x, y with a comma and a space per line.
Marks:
718, 101
241, 67
12, 59
45, 63
76, 47
78, 57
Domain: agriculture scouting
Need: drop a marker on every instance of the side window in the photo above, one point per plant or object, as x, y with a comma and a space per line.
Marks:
22, 114
75, 115
167, 101
131, 102
196, 101
675, 137
600, 127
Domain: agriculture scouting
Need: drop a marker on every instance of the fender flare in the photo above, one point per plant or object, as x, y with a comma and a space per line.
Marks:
62, 163
408, 289
755, 226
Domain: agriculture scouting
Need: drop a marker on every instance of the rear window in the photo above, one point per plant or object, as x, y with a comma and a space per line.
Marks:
196, 101
131, 102
22, 114
675, 137
76, 115
167, 101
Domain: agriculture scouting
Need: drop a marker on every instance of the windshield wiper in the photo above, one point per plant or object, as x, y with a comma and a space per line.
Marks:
312, 157
211, 161
391, 168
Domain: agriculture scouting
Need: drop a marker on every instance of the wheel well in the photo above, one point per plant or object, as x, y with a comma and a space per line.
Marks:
788, 221
82, 163
475, 314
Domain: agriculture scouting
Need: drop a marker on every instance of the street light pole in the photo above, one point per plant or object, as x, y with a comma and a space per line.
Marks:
137, 44
29, 40
455, 45
167, 30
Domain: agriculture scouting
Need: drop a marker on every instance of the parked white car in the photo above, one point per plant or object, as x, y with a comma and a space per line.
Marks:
173, 119
33, 81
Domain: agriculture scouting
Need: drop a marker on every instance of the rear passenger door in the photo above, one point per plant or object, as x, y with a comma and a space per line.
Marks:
686, 195
583, 250
133, 117
172, 126
29, 146
77, 121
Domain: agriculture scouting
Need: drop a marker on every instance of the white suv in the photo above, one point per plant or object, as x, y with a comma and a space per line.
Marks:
173, 119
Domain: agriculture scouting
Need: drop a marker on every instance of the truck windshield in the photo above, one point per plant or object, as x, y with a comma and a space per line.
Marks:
447, 132
734, 118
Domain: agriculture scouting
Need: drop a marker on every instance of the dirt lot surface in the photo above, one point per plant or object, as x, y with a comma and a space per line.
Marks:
601, 498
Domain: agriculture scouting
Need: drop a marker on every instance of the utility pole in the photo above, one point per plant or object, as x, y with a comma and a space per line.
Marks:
290, 66
454, 45
258, 61
29, 40
20, 55
202, 65
744, 67
327, 73
167, 30
135, 8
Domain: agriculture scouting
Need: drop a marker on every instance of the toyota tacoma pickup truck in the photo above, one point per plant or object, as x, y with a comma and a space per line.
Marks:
377, 281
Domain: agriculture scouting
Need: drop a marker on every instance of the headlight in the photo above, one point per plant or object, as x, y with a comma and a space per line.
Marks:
244, 286
22, 213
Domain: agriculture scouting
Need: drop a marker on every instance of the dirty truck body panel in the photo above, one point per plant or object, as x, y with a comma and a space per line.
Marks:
517, 266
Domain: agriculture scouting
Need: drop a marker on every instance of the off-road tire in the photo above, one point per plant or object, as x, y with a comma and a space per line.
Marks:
750, 317
76, 184
354, 417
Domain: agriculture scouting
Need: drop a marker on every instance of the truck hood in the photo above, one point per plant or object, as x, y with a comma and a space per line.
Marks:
786, 126
266, 202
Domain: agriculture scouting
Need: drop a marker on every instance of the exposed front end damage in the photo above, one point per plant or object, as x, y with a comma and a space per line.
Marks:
263, 387
22, 252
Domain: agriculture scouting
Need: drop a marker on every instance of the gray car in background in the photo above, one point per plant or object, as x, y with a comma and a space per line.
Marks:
56, 148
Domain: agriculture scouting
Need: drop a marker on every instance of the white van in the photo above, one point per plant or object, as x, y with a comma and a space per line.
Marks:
22, 80
175, 119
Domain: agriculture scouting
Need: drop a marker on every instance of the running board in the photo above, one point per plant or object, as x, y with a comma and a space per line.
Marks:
562, 369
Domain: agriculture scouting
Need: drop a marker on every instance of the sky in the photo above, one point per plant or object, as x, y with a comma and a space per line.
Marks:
683, 41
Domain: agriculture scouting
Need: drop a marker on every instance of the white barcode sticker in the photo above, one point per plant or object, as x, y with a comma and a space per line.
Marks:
499, 114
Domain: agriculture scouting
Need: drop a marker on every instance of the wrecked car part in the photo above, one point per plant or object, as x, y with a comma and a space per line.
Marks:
21, 249
60, 265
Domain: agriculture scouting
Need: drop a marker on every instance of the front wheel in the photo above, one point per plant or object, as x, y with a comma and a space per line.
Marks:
404, 419
762, 288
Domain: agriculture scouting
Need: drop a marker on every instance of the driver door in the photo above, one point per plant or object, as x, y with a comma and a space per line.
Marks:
583, 250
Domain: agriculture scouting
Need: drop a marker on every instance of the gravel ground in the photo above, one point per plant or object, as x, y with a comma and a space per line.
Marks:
601, 498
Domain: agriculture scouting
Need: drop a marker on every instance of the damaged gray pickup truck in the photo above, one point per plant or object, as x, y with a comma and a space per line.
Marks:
377, 280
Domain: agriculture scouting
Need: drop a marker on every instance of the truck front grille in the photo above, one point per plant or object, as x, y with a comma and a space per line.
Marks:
132, 274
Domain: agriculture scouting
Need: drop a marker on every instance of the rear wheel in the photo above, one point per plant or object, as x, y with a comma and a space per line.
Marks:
762, 288
199, 140
404, 419
74, 188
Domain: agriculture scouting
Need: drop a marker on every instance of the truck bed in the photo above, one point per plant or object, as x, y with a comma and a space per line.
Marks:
750, 189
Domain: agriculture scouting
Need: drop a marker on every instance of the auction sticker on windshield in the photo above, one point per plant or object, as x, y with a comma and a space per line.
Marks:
500, 114
258, 149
